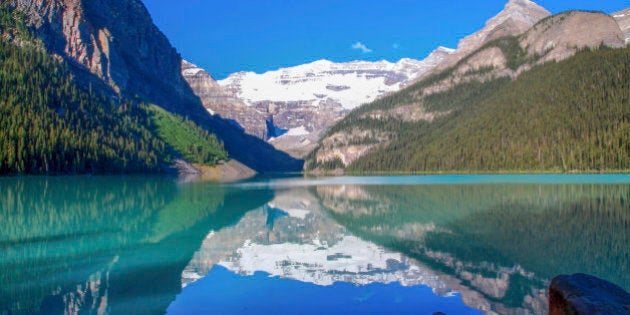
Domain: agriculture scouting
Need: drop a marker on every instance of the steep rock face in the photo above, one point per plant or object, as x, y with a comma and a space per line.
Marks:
302, 102
223, 103
623, 19
117, 41
114, 47
516, 18
561, 36
554, 38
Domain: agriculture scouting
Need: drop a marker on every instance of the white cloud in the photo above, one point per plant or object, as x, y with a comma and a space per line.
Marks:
360, 46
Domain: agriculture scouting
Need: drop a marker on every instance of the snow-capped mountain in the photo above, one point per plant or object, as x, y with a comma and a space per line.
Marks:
302, 102
348, 84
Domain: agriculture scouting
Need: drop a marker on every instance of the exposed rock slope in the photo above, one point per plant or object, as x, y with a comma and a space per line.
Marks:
115, 48
300, 103
562, 35
516, 18
551, 39
218, 101
117, 41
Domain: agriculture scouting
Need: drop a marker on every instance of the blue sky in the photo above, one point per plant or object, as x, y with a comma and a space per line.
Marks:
261, 35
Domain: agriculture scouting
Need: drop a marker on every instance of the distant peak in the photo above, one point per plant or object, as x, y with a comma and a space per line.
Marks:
525, 11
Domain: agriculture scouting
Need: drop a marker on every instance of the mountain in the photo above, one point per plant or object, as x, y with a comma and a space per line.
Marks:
569, 116
218, 101
117, 41
516, 18
53, 125
300, 103
623, 19
394, 133
114, 48
348, 84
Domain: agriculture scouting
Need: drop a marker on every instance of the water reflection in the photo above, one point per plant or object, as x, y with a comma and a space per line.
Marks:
498, 245
138, 245
105, 244
291, 237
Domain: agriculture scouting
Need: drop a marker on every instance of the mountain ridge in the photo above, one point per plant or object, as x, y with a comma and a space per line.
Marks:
114, 48
516, 17
300, 103
373, 127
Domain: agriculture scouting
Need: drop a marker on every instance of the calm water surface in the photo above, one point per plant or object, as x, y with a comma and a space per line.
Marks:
417, 245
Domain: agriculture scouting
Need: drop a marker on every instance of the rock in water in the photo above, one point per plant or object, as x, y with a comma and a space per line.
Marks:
583, 294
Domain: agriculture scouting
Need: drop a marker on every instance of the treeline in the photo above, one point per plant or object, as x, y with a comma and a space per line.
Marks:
48, 125
568, 116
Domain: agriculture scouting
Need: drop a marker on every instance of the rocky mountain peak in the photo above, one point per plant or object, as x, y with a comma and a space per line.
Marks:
522, 10
517, 17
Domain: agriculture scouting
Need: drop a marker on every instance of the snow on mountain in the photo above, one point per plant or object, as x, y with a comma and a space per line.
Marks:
302, 102
348, 84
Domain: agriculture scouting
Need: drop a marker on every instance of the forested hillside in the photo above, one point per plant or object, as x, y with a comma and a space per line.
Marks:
568, 116
48, 125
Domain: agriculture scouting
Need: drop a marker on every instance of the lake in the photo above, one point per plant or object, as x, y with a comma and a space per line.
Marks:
404, 245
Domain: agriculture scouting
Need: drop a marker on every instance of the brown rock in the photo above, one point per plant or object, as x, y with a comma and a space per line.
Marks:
516, 18
581, 294
562, 35
219, 101
117, 41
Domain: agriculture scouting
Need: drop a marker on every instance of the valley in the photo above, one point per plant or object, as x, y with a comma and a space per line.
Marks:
529, 91
204, 157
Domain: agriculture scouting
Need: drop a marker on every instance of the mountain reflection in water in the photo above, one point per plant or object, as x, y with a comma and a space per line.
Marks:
149, 245
106, 245
496, 244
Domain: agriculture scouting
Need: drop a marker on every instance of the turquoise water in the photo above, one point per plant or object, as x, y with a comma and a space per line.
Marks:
417, 245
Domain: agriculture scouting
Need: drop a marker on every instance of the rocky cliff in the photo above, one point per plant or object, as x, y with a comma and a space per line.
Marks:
554, 38
218, 101
114, 47
562, 35
117, 41
516, 18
